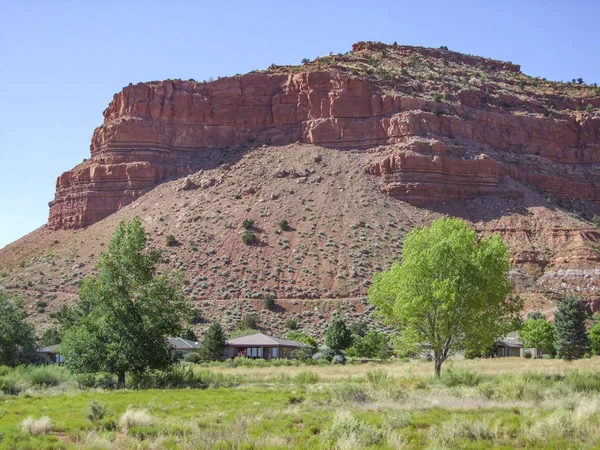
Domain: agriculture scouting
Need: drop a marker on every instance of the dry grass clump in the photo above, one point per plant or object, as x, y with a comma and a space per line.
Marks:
347, 432
36, 427
446, 435
135, 418
578, 424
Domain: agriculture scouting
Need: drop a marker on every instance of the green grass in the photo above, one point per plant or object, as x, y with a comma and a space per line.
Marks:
306, 408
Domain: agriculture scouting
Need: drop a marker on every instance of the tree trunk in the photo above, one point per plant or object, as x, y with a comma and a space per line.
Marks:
438, 360
121, 381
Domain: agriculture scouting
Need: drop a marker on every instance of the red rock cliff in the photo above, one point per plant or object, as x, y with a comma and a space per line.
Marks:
468, 145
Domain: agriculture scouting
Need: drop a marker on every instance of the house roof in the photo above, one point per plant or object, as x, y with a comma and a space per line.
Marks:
184, 344
259, 340
510, 340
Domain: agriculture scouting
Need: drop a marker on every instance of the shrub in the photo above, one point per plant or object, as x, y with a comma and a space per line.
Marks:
46, 376
248, 223
596, 221
291, 324
461, 428
135, 418
377, 377
325, 353
248, 237
36, 427
460, 377
249, 321
171, 241
347, 431
339, 359
284, 225
269, 301
96, 412
301, 337
589, 108
350, 392
306, 377
193, 357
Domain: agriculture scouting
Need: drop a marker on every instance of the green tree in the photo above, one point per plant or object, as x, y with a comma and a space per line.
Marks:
450, 292
17, 336
373, 344
359, 328
571, 340
338, 336
594, 337
301, 337
50, 336
538, 333
214, 343
189, 334
124, 314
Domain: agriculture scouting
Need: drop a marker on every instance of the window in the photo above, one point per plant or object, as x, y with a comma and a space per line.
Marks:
255, 352
273, 352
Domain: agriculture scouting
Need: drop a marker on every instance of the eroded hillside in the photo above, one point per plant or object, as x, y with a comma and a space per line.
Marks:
353, 151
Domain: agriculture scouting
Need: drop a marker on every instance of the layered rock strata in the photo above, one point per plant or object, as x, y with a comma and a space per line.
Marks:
155, 131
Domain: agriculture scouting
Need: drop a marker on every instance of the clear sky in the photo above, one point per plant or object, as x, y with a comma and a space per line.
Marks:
62, 61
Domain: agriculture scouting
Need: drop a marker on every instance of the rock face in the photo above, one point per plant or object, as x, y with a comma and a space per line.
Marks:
472, 144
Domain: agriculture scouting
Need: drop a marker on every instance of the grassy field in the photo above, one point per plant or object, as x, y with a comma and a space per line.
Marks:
500, 403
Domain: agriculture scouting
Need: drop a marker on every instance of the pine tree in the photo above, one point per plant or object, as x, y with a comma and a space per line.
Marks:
571, 338
214, 343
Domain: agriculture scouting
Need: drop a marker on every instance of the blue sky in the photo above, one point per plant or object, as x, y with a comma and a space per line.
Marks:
62, 61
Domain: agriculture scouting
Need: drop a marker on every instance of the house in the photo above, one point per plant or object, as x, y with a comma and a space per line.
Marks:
51, 354
183, 346
262, 346
509, 346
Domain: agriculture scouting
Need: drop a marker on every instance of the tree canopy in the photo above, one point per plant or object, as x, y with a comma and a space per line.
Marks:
539, 334
338, 336
17, 336
214, 343
450, 293
571, 340
124, 314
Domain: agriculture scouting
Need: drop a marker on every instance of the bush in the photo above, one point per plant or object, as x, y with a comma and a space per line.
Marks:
460, 377
291, 324
349, 432
135, 418
46, 376
248, 237
96, 412
248, 224
249, 321
596, 221
306, 377
269, 301
339, 359
36, 427
461, 428
284, 225
377, 377
193, 357
350, 392
171, 241
324, 353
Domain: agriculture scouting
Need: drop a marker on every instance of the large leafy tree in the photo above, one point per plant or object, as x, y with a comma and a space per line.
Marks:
214, 343
538, 333
17, 336
594, 337
125, 313
450, 293
571, 338
338, 336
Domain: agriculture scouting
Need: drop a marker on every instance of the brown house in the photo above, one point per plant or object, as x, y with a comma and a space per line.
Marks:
262, 346
509, 346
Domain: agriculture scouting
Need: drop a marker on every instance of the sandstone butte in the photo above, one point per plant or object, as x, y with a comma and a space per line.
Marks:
428, 131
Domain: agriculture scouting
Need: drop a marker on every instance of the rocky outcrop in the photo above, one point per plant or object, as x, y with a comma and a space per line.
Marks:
158, 130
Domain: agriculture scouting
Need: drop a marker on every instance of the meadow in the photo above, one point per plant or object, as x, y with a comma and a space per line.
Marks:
494, 403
